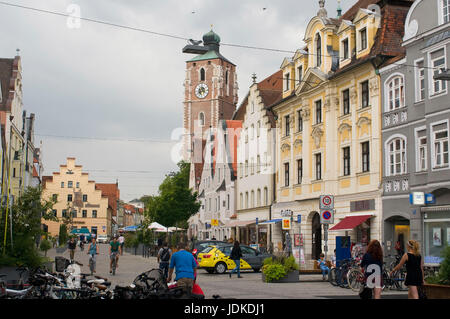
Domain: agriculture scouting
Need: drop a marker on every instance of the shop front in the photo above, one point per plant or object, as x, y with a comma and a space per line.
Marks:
436, 232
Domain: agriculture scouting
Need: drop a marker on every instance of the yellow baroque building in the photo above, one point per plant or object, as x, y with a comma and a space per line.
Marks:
329, 130
79, 201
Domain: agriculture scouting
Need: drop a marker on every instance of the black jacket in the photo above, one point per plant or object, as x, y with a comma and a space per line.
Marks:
236, 253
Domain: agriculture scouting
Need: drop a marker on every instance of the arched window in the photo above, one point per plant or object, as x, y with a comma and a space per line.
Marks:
201, 118
318, 50
396, 156
266, 196
253, 199
395, 93
258, 198
242, 201
202, 74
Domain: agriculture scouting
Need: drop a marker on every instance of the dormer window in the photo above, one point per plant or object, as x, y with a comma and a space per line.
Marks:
300, 74
287, 81
318, 50
363, 39
202, 74
345, 49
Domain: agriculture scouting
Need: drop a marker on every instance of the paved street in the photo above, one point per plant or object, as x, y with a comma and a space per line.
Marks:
248, 287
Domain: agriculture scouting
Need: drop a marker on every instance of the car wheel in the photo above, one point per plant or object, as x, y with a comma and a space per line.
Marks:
256, 269
221, 268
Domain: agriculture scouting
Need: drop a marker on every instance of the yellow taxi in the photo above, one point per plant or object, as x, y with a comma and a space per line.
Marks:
216, 259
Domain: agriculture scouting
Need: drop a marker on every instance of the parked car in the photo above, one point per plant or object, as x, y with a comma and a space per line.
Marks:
200, 245
102, 239
217, 258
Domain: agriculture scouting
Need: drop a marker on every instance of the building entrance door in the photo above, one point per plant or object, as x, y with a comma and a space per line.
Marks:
316, 228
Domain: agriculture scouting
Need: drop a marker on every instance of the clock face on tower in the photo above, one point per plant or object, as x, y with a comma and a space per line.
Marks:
201, 91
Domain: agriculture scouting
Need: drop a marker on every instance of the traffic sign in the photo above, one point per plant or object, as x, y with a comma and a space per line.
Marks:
326, 216
286, 225
326, 202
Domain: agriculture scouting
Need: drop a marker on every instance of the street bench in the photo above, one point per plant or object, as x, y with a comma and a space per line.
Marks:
316, 270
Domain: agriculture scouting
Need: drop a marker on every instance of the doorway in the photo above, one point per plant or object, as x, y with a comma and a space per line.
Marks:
316, 229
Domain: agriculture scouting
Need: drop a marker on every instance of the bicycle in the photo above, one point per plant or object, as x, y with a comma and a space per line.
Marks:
113, 262
92, 263
356, 279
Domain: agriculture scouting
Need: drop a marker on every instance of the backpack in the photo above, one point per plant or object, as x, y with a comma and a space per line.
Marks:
165, 255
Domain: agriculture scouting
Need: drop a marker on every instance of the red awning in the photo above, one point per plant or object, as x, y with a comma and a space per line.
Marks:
350, 222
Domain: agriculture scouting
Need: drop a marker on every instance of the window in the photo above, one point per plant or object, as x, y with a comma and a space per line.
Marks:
365, 156
14, 172
64, 213
445, 10
85, 198
258, 198
266, 196
363, 38
202, 74
396, 157
55, 197
440, 145
62, 184
345, 52
228, 201
346, 158
253, 199
258, 128
365, 94
286, 125
74, 214
438, 64
421, 152
242, 200
286, 84
94, 214
252, 166
246, 199
300, 74
318, 50
420, 81
78, 184
226, 77
299, 171
246, 168
318, 111
318, 166
69, 184
396, 93
258, 163
84, 213
300, 121
346, 101
253, 107
201, 118
252, 132
69, 197
55, 213
286, 174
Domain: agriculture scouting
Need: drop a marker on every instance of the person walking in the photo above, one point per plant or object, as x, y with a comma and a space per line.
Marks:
323, 266
414, 269
372, 262
72, 245
236, 254
121, 242
184, 264
93, 252
163, 259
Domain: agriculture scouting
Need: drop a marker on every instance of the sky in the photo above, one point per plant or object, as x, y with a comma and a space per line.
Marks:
122, 90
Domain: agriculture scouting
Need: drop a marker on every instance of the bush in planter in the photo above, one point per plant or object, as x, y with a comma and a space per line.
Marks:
45, 246
278, 267
443, 278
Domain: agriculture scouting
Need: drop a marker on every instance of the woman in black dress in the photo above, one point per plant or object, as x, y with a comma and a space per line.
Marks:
414, 269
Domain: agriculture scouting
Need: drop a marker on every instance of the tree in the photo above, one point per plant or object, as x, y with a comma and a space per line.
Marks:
27, 213
176, 202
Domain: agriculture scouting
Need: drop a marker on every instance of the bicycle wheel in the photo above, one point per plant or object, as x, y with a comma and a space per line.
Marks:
355, 279
332, 277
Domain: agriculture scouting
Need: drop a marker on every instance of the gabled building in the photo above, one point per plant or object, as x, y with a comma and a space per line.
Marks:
329, 122
217, 192
113, 193
415, 133
256, 158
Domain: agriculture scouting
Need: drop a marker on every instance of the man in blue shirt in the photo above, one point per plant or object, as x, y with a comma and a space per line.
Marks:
185, 265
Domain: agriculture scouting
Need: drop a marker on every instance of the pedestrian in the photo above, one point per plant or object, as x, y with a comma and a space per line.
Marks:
81, 245
72, 245
93, 251
398, 247
225, 239
414, 269
121, 242
184, 264
213, 238
160, 242
372, 262
163, 259
236, 254
114, 251
333, 260
323, 266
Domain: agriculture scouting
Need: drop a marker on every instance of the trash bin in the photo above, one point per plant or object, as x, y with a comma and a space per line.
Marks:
61, 263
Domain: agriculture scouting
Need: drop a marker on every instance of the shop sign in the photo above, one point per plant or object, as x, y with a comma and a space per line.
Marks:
326, 202
286, 224
286, 213
299, 219
430, 199
417, 198
214, 222
362, 205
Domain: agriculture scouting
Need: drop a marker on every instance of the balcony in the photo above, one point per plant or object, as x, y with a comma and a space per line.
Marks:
395, 117
393, 185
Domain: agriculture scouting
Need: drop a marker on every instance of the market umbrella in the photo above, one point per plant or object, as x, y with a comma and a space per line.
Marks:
175, 229
81, 231
131, 228
158, 227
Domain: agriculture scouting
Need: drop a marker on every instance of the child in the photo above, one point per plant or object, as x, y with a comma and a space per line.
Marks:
323, 266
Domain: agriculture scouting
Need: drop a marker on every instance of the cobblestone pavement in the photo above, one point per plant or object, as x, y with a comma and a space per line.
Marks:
250, 286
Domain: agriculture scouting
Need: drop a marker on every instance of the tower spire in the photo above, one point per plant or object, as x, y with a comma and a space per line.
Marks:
339, 9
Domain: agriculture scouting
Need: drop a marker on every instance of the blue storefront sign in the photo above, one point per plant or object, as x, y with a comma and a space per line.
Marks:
430, 199
299, 219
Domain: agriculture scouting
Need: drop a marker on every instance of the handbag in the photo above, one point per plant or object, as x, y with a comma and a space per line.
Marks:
365, 292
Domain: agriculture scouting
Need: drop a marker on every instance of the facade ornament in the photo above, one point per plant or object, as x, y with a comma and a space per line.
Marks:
298, 142
305, 112
317, 134
373, 87
322, 13
285, 147
327, 104
353, 95
363, 120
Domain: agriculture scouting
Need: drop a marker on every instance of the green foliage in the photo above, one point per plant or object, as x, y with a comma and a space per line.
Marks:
45, 245
444, 271
271, 267
27, 214
63, 234
131, 240
175, 202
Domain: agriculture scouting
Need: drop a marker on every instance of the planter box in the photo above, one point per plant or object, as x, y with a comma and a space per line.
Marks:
292, 276
437, 291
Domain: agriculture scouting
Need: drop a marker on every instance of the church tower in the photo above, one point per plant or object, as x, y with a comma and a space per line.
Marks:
210, 95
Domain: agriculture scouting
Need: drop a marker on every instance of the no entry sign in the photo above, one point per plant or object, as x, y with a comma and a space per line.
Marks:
326, 216
326, 202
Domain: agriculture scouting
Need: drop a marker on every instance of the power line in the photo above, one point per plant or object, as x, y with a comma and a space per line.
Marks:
145, 140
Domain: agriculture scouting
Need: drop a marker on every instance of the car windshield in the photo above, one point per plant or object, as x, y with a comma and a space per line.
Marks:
207, 249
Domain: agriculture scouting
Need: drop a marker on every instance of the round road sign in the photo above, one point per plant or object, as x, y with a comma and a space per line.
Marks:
326, 200
326, 215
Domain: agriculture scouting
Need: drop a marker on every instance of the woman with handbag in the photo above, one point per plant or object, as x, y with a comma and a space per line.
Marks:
414, 269
372, 262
